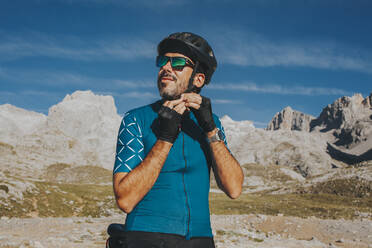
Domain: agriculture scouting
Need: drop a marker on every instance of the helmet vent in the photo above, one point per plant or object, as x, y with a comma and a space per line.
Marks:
198, 43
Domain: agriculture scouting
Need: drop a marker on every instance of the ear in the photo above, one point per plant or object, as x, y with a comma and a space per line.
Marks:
199, 80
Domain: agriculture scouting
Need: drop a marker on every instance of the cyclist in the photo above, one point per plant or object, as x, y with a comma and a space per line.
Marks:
166, 150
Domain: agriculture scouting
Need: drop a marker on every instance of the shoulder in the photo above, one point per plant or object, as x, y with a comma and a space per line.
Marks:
142, 116
142, 112
139, 110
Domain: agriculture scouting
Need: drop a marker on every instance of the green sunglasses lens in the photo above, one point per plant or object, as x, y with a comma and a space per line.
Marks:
161, 61
178, 62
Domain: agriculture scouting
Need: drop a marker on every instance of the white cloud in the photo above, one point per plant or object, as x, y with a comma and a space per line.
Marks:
226, 101
139, 95
251, 49
5, 94
235, 47
153, 4
133, 84
47, 78
128, 3
57, 78
131, 94
32, 44
278, 89
30, 93
37, 93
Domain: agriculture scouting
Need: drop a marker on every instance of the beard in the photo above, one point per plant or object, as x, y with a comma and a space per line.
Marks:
169, 92
167, 97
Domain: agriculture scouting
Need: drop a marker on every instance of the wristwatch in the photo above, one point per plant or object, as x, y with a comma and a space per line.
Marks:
218, 136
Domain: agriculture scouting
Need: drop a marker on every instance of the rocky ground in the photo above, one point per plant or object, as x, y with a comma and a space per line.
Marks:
351, 228
232, 231
49, 169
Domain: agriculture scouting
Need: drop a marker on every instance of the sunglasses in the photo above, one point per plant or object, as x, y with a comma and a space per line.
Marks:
177, 63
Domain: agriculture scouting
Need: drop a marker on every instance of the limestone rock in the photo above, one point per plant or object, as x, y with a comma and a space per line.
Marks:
304, 152
368, 101
92, 121
18, 122
344, 112
80, 130
349, 120
289, 119
347, 123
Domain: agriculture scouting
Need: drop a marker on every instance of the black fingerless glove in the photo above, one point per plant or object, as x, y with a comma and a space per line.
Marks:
204, 115
170, 122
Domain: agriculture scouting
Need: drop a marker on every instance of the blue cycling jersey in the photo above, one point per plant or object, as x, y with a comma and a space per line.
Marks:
178, 201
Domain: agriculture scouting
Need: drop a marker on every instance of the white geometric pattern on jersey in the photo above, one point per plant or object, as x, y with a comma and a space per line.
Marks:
131, 144
224, 135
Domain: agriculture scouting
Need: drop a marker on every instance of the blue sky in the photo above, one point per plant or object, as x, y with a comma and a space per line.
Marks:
271, 54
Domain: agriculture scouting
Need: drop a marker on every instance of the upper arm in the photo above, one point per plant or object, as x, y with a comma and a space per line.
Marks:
129, 147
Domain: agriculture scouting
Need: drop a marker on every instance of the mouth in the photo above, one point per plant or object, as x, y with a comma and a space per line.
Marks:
166, 79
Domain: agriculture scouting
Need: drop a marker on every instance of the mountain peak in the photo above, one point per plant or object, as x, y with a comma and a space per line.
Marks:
349, 120
367, 102
289, 119
344, 112
80, 94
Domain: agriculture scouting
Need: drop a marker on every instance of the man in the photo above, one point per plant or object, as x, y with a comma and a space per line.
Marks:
165, 152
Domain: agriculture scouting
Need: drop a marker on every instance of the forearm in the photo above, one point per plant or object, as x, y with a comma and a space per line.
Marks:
227, 170
131, 188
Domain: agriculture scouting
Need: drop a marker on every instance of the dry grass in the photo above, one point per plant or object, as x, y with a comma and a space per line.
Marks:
332, 199
325, 206
268, 173
62, 200
346, 187
87, 174
6, 149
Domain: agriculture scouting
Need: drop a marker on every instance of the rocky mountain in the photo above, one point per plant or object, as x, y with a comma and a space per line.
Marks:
91, 121
17, 122
349, 120
59, 165
301, 151
347, 123
344, 113
289, 119
80, 130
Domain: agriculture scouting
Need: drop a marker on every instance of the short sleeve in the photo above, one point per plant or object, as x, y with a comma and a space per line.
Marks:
129, 147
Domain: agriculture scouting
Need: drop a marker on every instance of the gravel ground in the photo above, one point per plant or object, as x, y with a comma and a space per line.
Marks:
232, 231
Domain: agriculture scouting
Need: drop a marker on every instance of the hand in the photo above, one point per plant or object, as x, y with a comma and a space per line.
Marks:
178, 105
202, 109
170, 116
192, 100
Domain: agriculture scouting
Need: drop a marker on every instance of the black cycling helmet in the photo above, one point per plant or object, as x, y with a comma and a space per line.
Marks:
194, 47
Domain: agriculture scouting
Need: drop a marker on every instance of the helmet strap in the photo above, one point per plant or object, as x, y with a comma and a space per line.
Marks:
191, 87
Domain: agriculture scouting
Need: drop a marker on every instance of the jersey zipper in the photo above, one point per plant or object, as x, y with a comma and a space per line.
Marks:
184, 185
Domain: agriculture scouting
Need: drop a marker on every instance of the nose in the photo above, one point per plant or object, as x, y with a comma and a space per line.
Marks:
167, 66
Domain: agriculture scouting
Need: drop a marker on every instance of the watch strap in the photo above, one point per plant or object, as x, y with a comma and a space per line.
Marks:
218, 136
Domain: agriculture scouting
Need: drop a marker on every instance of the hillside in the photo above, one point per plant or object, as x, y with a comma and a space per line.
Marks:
59, 166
